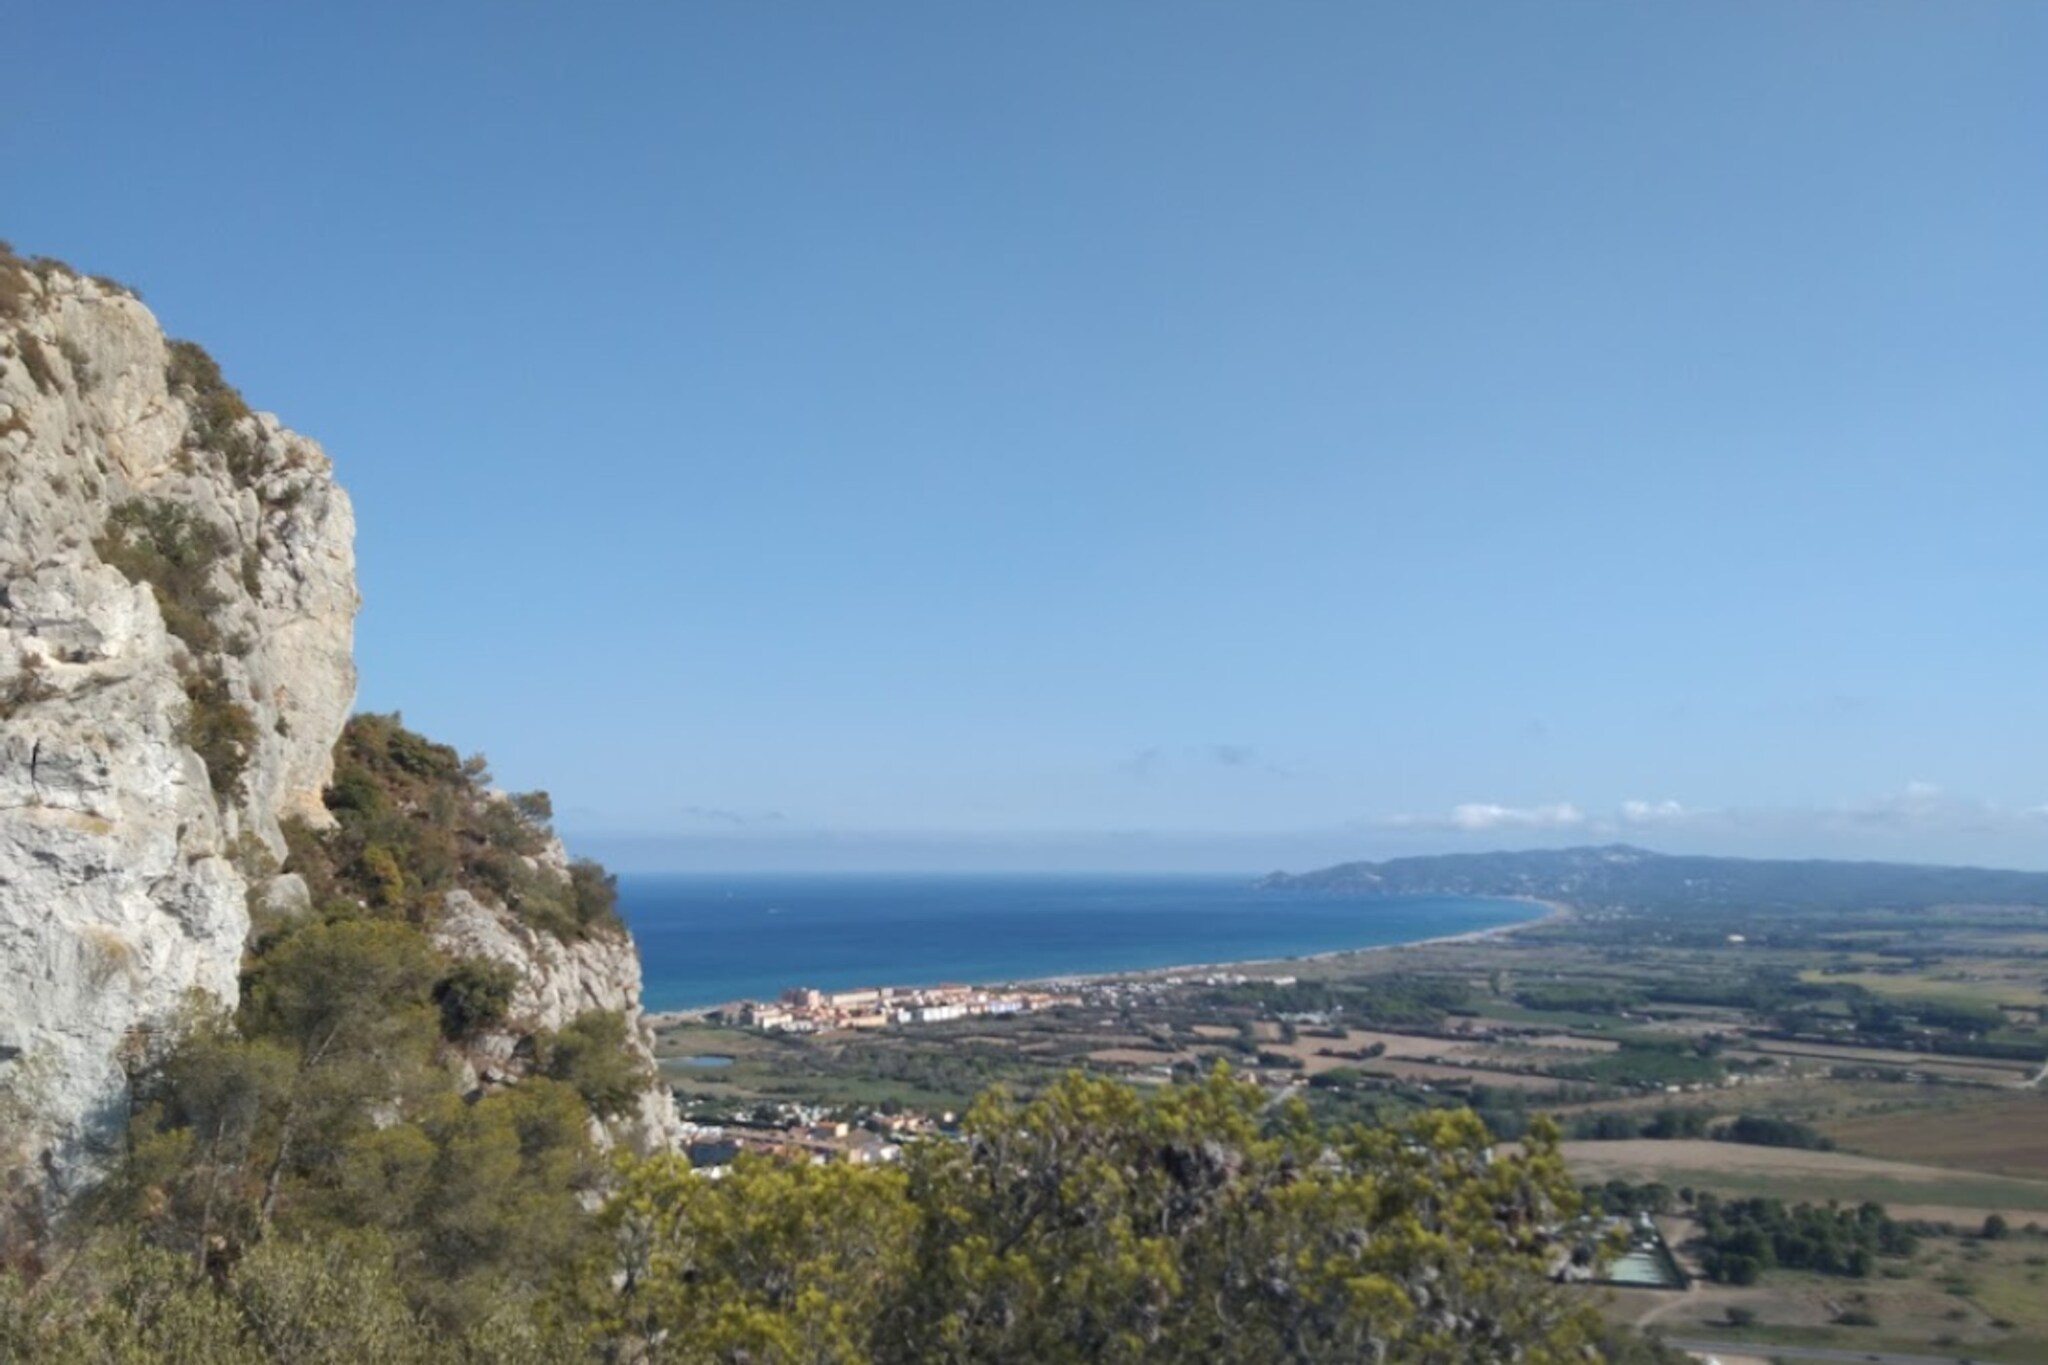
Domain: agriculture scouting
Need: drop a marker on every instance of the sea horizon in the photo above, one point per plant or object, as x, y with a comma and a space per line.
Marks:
709, 938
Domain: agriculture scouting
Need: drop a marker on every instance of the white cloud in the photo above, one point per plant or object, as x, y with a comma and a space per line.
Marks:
1915, 820
1483, 815
1655, 812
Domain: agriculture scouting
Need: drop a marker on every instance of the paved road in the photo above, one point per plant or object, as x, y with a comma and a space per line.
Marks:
1758, 1348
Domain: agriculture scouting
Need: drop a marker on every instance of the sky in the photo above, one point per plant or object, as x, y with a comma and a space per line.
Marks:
1188, 436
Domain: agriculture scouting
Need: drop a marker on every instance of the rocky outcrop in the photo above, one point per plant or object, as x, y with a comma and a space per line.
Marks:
124, 874
177, 607
557, 981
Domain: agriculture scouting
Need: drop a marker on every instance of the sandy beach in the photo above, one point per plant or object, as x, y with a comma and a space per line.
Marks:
1268, 966
1555, 911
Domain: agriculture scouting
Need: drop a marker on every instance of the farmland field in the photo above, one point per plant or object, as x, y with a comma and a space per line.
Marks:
2012, 987
1794, 1174
2006, 1135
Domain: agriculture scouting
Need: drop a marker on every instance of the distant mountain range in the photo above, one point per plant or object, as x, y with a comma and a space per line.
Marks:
1619, 875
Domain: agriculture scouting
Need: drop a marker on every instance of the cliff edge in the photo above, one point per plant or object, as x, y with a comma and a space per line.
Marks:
177, 608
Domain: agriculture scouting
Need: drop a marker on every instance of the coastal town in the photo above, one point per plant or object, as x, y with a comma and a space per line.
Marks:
803, 1009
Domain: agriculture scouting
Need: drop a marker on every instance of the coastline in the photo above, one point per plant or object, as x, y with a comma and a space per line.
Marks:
1555, 912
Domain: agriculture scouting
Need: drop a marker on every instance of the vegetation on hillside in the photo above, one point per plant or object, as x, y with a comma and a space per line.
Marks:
303, 1179
217, 409
176, 552
1091, 1225
16, 271
414, 820
304, 1176
1392, 1001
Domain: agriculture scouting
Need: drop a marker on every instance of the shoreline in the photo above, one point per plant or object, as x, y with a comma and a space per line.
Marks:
1555, 911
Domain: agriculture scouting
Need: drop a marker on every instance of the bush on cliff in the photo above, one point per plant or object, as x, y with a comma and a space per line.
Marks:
174, 550
1094, 1224
216, 409
474, 996
589, 1054
218, 728
325, 1108
414, 820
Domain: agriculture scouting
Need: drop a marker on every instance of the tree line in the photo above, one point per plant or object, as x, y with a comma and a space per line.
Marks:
1093, 1224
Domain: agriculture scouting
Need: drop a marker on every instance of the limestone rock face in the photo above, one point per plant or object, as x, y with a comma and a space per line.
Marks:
127, 868
123, 876
557, 981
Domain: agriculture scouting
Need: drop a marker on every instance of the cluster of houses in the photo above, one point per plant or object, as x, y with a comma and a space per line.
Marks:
802, 1133
808, 1010
805, 1010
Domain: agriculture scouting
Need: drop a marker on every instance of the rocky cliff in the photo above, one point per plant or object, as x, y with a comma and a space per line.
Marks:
556, 981
177, 605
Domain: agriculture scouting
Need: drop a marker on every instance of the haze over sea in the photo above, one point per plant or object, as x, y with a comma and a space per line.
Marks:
706, 939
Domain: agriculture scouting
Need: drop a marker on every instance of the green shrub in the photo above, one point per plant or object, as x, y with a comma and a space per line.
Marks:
166, 545
537, 808
474, 996
355, 792
385, 877
419, 756
436, 826
597, 895
1763, 1130
219, 729
216, 409
590, 1054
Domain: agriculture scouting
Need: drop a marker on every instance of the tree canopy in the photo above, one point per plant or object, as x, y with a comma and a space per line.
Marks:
1092, 1224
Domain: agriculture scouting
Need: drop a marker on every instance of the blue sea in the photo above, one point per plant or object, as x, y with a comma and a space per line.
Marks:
707, 939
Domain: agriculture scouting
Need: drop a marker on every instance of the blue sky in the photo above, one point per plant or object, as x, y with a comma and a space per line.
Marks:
1195, 436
